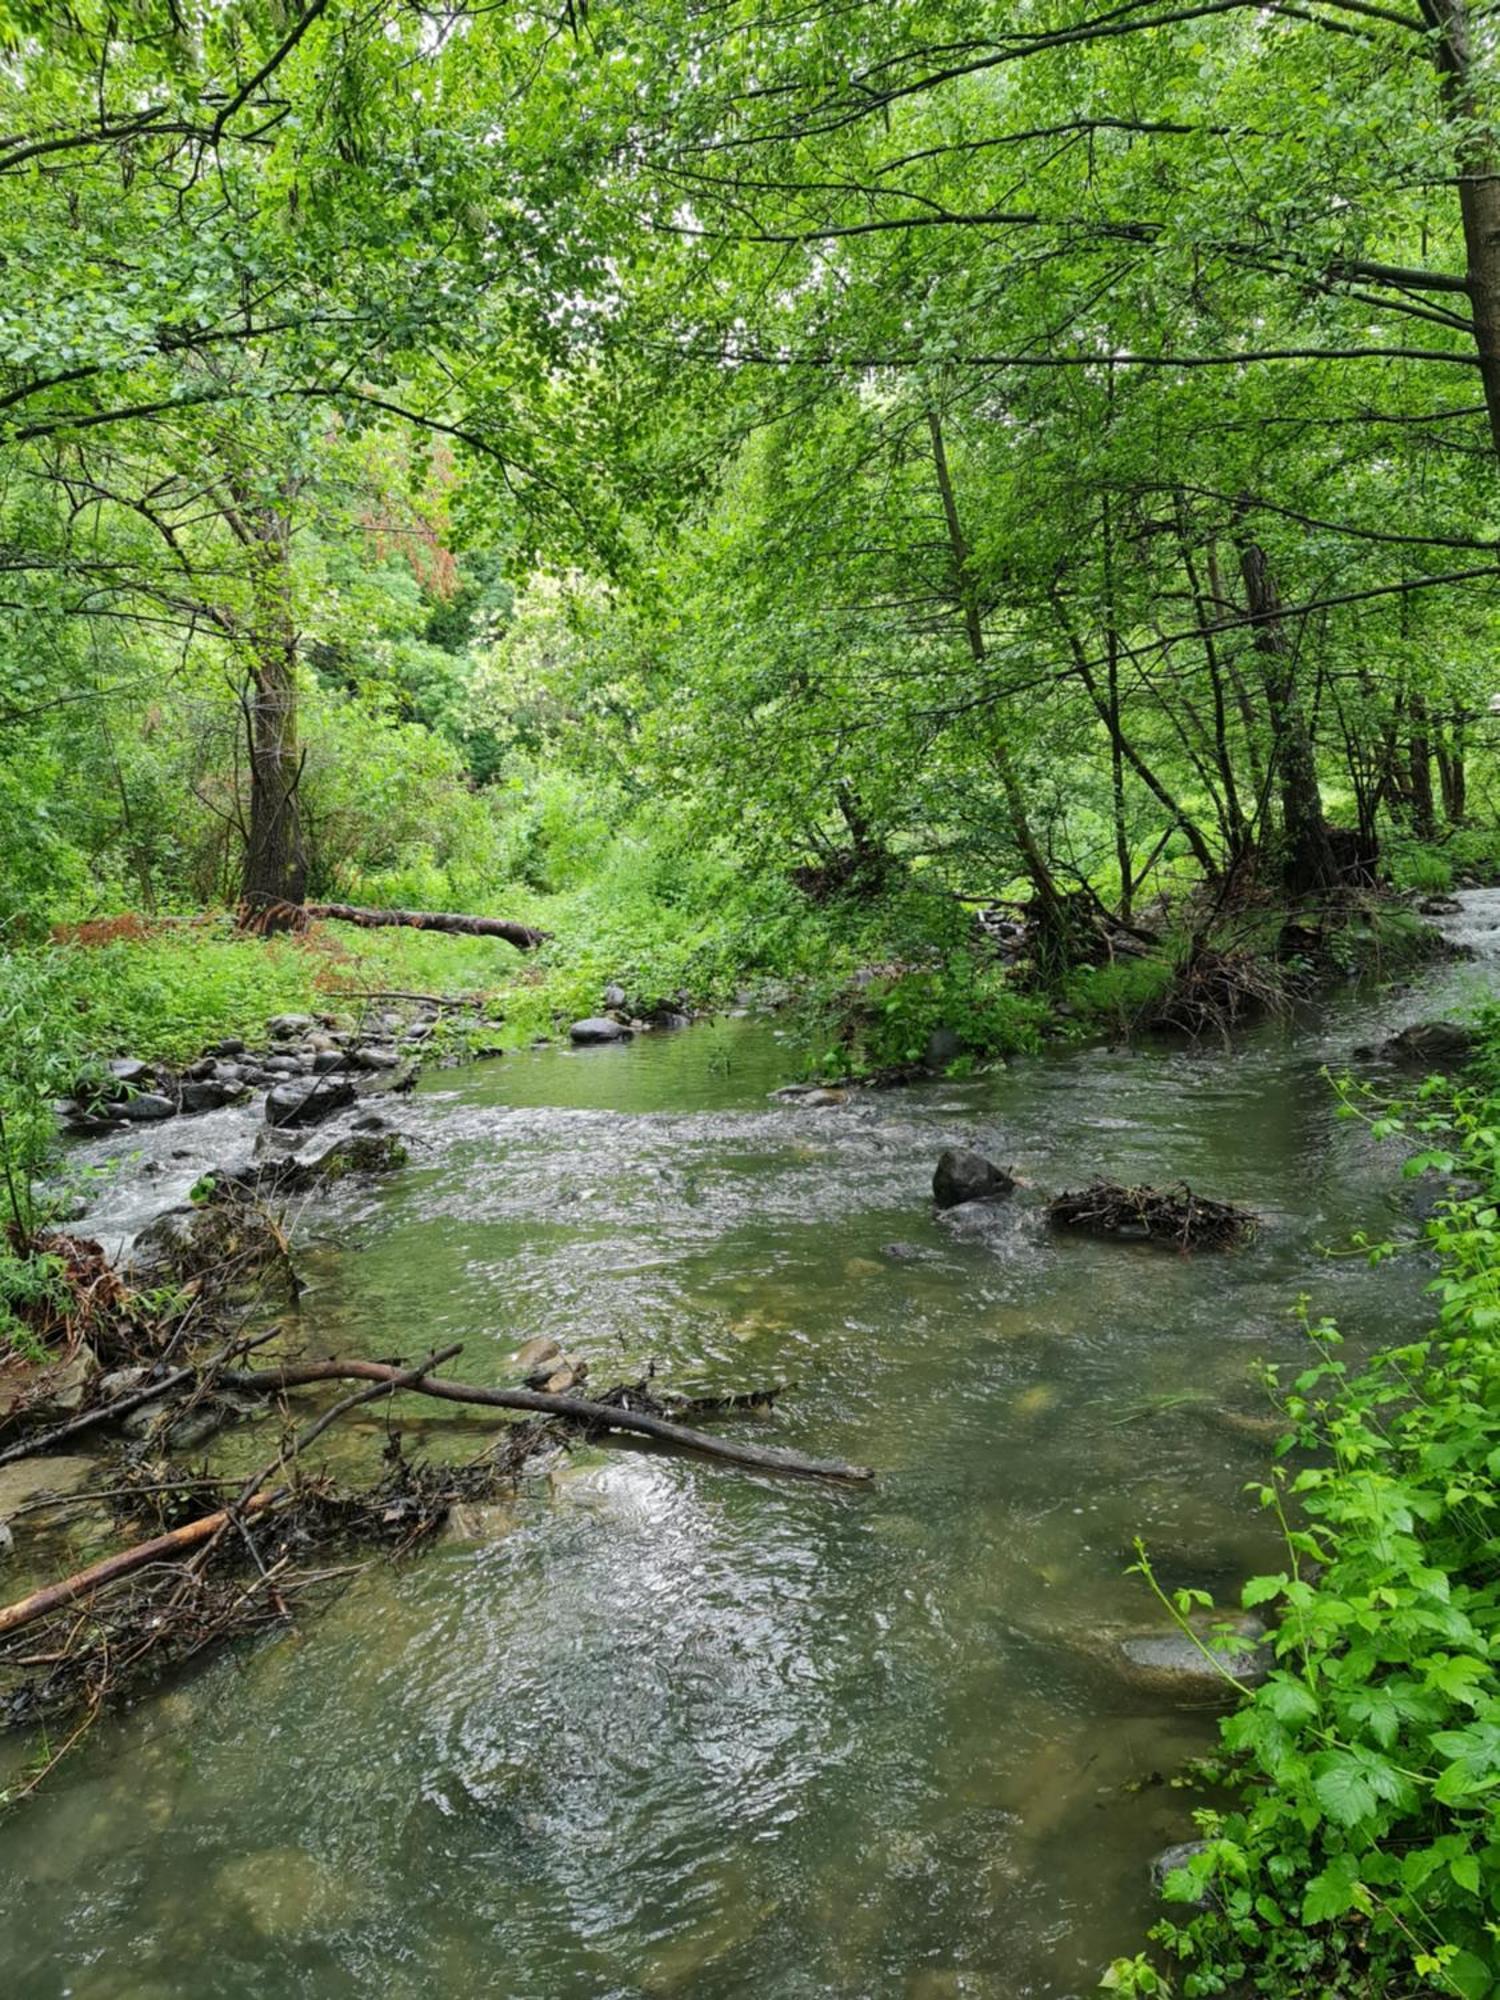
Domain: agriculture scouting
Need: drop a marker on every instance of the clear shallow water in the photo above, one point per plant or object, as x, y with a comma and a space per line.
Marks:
676, 1731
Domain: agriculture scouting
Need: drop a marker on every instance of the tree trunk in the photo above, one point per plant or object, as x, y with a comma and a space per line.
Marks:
1419, 762
275, 875
1051, 904
1308, 865
1478, 161
1452, 774
522, 936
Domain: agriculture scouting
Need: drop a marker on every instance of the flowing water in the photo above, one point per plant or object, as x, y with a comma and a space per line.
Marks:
668, 1729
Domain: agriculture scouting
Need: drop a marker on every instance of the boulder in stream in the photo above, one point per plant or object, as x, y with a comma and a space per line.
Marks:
144, 1107
1197, 1672
962, 1175
309, 1102
1432, 1044
598, 1028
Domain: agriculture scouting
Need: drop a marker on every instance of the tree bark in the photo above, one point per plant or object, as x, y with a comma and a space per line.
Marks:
1453, 774
1308, 864
1419, 760
522, 936
1478, 161
275, 873
1050, 900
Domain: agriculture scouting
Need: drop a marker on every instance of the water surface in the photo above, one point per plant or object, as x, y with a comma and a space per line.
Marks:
672, 1730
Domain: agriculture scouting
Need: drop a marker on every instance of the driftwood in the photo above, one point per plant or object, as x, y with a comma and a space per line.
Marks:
523, 936
160, 1548
1175, 1216
536, 1402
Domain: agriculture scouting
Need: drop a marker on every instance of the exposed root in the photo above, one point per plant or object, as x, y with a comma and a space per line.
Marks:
1174, 1216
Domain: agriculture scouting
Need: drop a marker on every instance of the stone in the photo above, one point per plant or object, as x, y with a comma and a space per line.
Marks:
205, 1066
307, 1103
962, 1175
166, 1239
33, 1479
376, 1057
598, 1028
472, 1521
536, 1351
1440, 906
1173, 1667
614, 996
282, 1027
145, 1107
206, 1096
129, 1073
371, 1121
821, 1100
419, 1031
120, 1382
562, 1379
904, 1253
230, 1046
1435, 1044
326, 1060
1170, 1860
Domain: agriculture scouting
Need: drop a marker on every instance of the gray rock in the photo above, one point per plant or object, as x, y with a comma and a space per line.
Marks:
127, 1071
1171, 1666
166, 1239
673, 1020
614, 996
280, 1066
30, 1480
962, 1175
1436, 1044
230, 1046
375, 1057
327, 1060
819, 1100
371, 1121
208, 1096
309, 1102
905, 1253
120, 1382
419, 1031
204, 1067
597, 1029
284, 1026
145, 1106
1169, 1861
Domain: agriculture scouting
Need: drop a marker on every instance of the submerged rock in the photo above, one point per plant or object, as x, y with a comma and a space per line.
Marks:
308, 1103
598, 1028
1172, 1666
31, 1480
1435, 1043
962, 1175
1170, 1860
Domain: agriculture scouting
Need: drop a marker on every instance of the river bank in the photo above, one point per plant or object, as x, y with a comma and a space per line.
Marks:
889, 1736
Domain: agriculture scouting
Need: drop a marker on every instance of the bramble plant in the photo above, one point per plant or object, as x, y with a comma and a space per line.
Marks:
1363, 1854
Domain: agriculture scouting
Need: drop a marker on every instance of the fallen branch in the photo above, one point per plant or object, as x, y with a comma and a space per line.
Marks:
522, 936
536, 1402
27, 1610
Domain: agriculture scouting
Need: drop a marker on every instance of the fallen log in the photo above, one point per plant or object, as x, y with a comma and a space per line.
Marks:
27, 1610
523, 936
536, 1402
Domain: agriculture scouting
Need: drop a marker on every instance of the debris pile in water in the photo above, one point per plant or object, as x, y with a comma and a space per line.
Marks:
1175, 1216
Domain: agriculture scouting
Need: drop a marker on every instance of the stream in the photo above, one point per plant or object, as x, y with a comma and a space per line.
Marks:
663, 1728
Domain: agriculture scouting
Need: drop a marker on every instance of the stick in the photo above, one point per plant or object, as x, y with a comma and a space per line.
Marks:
27, 1610
598, 1416
149, 1392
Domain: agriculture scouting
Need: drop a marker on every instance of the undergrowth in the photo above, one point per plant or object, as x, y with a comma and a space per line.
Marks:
1362, 1857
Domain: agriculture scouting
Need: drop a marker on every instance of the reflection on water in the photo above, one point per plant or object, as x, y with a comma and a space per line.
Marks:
675, 1731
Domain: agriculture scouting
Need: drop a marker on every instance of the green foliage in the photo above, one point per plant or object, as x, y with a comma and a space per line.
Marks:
1363, 1854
